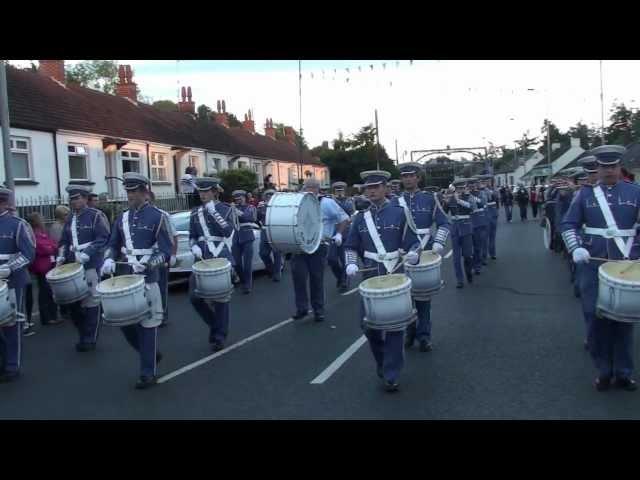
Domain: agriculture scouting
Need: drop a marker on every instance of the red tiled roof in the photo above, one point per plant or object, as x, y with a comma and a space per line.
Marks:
38, 102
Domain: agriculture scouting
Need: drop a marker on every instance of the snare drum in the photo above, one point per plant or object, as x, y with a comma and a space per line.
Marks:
619, 291
124, 300
68, 283
387, 302
213, 279
7, 311
425, 276
294, 222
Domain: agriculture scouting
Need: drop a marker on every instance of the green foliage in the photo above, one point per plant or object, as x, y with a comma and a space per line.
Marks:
165, 105
620, 131
238, 179
203, 113
97, 74
300, 141
233, 120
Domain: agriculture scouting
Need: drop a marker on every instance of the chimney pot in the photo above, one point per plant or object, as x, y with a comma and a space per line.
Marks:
187, 105
125, 86
53, 69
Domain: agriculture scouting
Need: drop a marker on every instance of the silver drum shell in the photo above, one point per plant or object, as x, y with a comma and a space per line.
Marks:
213, 284
618, 299
126, 305
388, 309
7, 310
426, 278
293, 222
68, 288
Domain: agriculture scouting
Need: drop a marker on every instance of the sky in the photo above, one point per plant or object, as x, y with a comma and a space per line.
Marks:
423, 104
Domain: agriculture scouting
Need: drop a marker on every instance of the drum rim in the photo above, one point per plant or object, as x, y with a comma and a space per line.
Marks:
394, 326
295, 246
133, 286
378, 292
227, 266
616, 318
608, 278
423, 266
67, 275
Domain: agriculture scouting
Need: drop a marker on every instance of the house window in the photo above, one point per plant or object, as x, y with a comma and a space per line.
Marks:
130, 161
78, 162
158, 167
510, 179
193, 161
242, 164
293, 176
21, 158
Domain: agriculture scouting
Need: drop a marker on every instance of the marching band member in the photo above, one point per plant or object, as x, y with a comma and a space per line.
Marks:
421, 210
394, 188
609, 210
243, 241
479, 222
336, 252
211, 235
309, 268
377, 236
84, 237
141, 235
273, 265
17, 251
460, 205
492, 215
590, 166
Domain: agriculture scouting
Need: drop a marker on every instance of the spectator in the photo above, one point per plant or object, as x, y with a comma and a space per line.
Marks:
533, 198
46, 250
188, 186
92, 202
55, 232
522, 197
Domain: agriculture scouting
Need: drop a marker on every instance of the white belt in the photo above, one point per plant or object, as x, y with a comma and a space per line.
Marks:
423, 231
382, 257
6, 256
478, 210
609, 232
80, 247
137, 251
249, 224
460, 217
212, 238
491, 204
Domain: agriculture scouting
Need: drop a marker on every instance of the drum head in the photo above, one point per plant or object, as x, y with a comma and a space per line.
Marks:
122, 282
211, 264
309, 223
546, 234
427, 258
624, 271
385, 282
66, 270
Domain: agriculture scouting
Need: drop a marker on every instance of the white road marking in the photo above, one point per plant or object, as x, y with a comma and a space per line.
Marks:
204, 360
338, 362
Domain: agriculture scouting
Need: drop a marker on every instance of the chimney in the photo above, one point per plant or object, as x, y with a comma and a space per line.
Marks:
187, 105
248, 124
290, 135
269, 131
125, 86
53, 69
221, 117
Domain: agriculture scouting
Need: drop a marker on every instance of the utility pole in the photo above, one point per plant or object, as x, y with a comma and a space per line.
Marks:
549, 142
397, 152
4, 121
601, 103
377, 143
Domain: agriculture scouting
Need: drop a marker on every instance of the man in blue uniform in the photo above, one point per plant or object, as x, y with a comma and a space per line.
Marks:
459, 204
479, 221
17, 251
336, 253
394, 188
378, 236
140, 235
243, 240
211, 234
421, 211
308, 269
271, 258
84, 236
609, 210
491, 212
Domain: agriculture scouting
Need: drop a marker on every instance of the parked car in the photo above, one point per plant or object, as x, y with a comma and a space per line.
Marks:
184, 256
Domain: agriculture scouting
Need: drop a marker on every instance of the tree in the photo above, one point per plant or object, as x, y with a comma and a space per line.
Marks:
165, 105
203, 113
300, 141
233, 120
97, 74
620, 131
586, 134
238, 179
555, 136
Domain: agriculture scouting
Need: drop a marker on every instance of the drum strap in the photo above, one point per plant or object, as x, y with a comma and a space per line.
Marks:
389, 260
423, 234
75, 247
128, 250
209, 239
625, 248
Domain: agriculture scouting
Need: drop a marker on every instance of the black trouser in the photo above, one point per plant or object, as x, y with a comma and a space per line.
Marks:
47, 307
523, 211
534, 209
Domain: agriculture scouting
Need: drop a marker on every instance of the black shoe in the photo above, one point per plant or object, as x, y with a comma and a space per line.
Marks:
626, 384
217, 346
484, 263
391, 387
342, 288
146, 382
85, 347
275, 279
299, 315
493, 258
469, 276
460, 285
6, 377
246, 291
318, 318
477, 272
602, 384
158, 357
410, 339
425, 346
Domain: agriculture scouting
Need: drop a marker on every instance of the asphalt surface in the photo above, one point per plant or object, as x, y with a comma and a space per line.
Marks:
507, 347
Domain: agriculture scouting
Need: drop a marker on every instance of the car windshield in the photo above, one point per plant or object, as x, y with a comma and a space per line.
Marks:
181, 221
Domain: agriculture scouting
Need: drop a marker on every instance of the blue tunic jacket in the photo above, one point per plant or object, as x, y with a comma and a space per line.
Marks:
18, 245
92, 227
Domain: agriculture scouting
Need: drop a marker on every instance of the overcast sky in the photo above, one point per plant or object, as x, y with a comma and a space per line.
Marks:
424, 105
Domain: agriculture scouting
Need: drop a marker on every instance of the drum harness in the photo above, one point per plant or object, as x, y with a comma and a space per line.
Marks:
75, 247
423, 234
209, 239
128, 250
390, 259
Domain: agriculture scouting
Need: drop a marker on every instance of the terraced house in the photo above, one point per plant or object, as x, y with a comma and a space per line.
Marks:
62, 132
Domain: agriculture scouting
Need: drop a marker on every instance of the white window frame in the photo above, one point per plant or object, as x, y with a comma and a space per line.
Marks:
242, 164
86, 159
155, 167
129, 158
14, 149
217, 162
193, 161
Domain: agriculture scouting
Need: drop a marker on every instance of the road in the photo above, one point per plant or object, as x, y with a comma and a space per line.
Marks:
508, 347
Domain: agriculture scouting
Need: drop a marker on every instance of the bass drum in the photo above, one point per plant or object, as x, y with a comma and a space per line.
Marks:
293, 222
546, 234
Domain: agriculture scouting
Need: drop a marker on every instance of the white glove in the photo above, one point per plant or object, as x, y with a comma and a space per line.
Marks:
82, 257
108, 267
352, 269
412, 257
197, 251
581, 255
338, 239
172, 261
211, 207
138, 267
437, 247
59, 261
